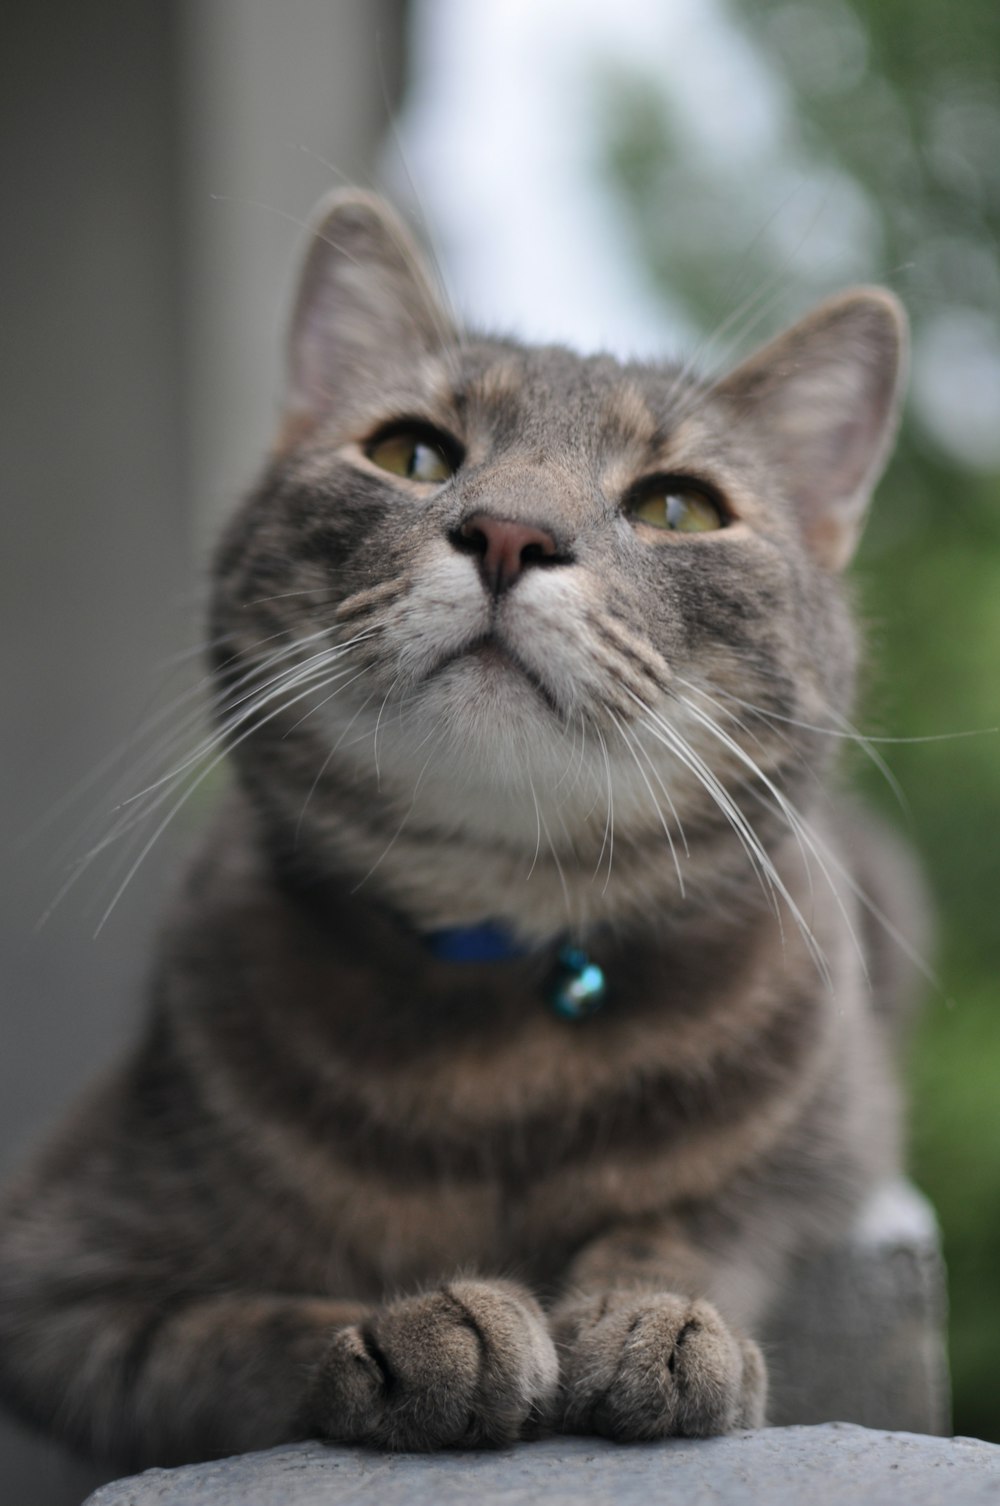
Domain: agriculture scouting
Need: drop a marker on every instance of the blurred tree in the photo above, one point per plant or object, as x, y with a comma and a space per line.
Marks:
874, 155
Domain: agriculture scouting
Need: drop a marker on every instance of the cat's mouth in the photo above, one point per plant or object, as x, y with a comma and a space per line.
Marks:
496, 658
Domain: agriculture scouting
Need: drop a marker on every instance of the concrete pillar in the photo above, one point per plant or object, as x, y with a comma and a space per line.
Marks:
138, 376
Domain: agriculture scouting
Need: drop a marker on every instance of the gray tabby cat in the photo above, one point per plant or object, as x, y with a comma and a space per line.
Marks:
530, 1003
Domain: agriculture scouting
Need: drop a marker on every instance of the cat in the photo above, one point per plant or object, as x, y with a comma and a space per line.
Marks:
532, 998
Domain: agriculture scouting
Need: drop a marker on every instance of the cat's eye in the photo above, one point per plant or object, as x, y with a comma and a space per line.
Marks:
418, 454
678, 506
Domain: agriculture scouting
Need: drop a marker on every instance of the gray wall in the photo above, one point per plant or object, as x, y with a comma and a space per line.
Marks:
139, 369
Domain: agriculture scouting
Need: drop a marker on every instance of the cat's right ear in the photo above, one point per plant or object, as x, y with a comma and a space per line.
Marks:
823, 399
366, 307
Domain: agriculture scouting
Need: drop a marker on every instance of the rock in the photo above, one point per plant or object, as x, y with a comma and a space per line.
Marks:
837, 1464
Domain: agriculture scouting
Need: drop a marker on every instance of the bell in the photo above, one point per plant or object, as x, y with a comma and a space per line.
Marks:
578, 988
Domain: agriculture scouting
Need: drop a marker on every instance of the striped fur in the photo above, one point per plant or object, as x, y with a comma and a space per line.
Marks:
342, 1188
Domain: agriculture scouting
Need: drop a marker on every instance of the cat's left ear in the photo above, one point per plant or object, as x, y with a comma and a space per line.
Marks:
367, 310
825, 398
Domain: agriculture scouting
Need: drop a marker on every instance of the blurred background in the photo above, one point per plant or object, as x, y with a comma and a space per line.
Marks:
650, 176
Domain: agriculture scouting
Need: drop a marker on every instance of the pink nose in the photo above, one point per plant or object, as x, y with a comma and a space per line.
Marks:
505, 547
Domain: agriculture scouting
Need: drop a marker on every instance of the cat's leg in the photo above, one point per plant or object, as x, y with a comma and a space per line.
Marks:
470, 1362
643, 1352
143, 1329
141, 1376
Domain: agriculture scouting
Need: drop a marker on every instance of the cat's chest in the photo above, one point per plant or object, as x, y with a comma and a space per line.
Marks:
484, 1163
396, 1233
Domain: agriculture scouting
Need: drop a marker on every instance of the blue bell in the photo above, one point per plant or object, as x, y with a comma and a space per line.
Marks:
578, 988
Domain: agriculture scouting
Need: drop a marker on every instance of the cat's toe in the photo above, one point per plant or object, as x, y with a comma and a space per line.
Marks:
643, 1367
469, 1364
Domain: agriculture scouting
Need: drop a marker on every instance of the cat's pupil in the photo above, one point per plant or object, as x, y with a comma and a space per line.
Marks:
428, 464
680, 510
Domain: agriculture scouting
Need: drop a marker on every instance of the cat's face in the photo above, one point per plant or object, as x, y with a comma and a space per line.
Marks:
538, 601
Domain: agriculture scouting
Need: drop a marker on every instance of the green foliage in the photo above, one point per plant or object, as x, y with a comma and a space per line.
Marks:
933, 601
892, 107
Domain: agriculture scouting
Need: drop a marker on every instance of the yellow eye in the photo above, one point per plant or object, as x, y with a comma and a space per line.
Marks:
411, 453
678, 508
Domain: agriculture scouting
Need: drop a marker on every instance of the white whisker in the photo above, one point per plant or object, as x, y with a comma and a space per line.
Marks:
656, 805
397, 833
555, 859
194, 785
609, 823
378, 723
326, 764
743, 829
804, 835
538, 829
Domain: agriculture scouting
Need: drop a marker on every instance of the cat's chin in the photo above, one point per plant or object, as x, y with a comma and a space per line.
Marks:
487, 676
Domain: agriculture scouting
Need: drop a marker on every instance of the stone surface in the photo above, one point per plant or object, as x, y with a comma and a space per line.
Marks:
838, 1464
860, 1331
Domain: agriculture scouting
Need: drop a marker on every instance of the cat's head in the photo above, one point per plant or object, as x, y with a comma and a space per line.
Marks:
503, 609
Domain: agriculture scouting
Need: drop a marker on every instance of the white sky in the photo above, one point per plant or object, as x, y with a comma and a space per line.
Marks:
500, 140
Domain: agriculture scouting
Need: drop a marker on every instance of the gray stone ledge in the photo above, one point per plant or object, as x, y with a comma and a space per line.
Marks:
836, 1464
858, 1331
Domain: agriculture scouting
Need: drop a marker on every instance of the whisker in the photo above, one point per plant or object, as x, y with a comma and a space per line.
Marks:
609, 823
358, 674
455, 335
326, 764
145, 728
538, 828
872, 737
877, 761
802, 831
555, 859
179, 732
316, 664
397, 833
656, 805
258, 601
564, 776
752, 763
283, 214
378, 723
194, 785
760, 860
136, 814
666, 794
773, 287
140, 807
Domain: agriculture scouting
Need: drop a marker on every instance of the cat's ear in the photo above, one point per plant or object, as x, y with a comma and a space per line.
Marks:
825, 398
366, 306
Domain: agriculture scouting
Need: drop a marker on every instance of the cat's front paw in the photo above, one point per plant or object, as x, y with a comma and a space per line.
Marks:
655, 1365
468, 1364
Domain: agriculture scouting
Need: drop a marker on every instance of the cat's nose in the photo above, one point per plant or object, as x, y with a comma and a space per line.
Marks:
504, 548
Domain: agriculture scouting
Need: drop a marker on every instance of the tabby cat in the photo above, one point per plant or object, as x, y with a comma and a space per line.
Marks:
530, 1003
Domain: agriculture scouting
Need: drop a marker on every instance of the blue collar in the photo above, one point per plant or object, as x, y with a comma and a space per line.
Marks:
576, 987
483, 943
